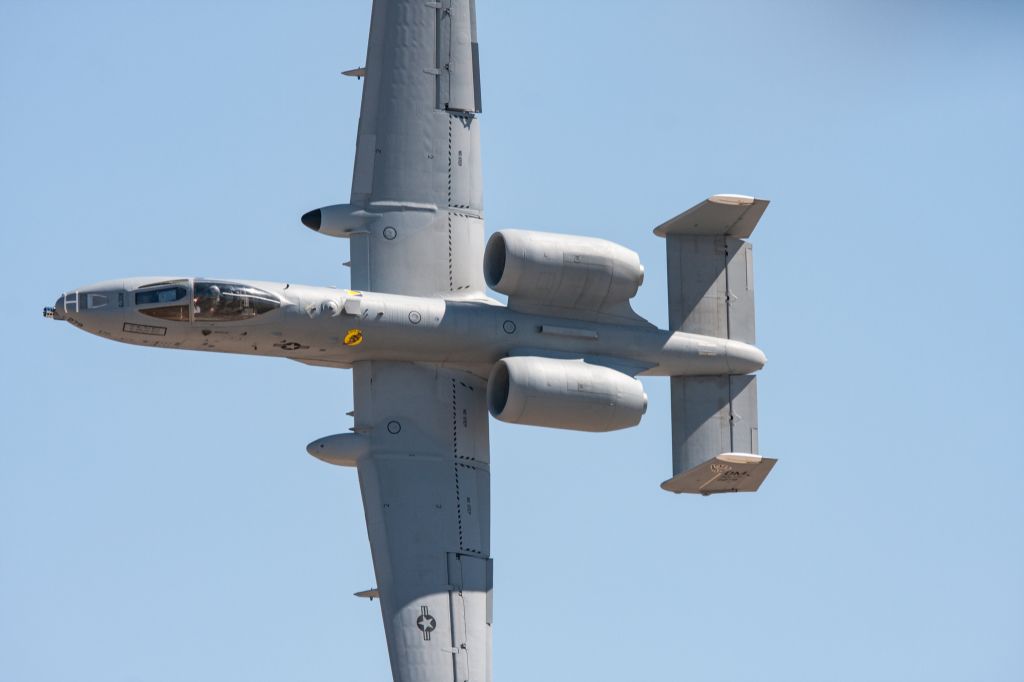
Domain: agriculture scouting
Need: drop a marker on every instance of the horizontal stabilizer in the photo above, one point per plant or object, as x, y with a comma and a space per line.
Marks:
726, 473
732, 215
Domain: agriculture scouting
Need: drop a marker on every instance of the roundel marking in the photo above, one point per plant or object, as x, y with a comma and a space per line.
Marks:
426, 623
353, 337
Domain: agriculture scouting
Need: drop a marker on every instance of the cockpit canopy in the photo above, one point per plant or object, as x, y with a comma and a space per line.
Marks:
211, 301
160, 295
223, 301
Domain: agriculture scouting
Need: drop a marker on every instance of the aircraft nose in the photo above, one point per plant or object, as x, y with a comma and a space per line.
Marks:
97, 307
67, 303
56, 311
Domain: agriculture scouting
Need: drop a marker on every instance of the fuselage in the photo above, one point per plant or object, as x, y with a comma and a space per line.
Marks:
336, 328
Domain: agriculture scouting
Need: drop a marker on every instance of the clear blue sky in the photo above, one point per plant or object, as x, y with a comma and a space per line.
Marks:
160, 520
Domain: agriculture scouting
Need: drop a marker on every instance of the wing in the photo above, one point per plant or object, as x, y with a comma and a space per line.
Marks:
416, 185
415, 220
426, 494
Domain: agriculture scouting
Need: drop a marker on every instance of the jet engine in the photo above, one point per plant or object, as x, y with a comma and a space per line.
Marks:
561, 270
564, 394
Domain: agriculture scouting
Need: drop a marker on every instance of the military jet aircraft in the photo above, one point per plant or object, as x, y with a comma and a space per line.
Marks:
432, 354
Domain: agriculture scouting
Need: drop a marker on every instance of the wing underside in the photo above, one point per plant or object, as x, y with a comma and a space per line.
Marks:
426, 494
417, 229
416, 179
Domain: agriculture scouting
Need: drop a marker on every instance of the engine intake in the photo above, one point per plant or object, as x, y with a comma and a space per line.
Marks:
564, 394
561, 270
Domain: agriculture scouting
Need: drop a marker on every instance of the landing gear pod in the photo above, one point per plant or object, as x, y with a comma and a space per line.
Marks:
340, 220
343, 449
564, 394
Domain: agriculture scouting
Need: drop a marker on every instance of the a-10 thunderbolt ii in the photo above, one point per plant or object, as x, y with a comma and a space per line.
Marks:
431, 354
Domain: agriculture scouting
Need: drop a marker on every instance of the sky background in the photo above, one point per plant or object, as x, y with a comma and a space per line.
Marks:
160, 519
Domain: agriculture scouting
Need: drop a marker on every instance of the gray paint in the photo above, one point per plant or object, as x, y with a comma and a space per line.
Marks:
565, 275
428, 347
712, 415
426, 494
710, 286
312, 322
563, 394
417, 167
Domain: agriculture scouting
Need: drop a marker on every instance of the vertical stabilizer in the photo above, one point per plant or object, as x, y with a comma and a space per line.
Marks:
711, 267
714, 436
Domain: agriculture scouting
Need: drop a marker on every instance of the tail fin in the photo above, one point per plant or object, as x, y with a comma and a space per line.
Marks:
711, 292
710, 267
714, 436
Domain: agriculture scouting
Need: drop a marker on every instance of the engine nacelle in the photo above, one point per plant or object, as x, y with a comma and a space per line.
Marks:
564, 394
561, 270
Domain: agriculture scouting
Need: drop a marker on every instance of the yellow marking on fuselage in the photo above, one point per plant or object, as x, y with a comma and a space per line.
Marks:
353, 337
